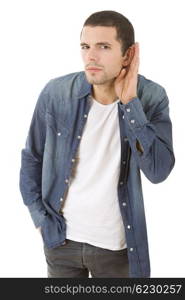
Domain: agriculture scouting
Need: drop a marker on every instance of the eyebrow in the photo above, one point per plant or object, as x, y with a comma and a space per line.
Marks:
98, 44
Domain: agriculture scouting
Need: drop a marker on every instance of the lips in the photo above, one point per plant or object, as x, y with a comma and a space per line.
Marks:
93, 69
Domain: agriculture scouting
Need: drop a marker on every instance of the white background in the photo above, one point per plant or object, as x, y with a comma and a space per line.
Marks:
40, 40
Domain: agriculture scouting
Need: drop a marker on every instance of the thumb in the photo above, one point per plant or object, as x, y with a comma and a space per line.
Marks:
121, 74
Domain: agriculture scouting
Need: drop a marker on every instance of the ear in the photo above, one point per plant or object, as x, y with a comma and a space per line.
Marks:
127, 58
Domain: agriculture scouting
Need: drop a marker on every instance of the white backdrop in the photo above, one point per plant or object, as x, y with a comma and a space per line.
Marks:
40, 40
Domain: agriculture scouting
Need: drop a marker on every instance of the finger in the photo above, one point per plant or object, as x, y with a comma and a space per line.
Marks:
137, 48
122, 73
136, 52
135, 61
135, 67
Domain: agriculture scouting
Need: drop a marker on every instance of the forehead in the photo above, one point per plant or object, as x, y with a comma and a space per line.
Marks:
98, 33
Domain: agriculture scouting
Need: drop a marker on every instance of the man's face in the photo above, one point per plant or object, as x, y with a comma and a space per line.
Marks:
101, 54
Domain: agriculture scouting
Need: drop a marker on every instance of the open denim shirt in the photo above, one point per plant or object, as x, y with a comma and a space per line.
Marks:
54, 135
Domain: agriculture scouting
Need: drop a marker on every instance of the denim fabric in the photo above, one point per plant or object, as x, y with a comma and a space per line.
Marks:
79, 260
52, 143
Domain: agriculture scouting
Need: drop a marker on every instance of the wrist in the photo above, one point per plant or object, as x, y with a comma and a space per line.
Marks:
126, 101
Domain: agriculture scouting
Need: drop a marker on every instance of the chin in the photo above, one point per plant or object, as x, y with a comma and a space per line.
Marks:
90, 79
97, 81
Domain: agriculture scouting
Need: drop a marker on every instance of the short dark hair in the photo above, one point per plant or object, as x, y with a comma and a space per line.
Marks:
110, 18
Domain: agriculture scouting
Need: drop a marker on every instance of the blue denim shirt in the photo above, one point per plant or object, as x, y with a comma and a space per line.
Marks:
54, 135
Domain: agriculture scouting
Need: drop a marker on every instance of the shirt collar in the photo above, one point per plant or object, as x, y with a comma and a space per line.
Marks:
85, 87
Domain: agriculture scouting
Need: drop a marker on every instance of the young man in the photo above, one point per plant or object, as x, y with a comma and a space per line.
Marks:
91, 134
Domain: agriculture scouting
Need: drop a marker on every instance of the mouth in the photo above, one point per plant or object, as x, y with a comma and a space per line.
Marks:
93, 69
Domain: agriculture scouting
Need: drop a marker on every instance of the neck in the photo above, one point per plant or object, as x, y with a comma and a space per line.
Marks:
104, 93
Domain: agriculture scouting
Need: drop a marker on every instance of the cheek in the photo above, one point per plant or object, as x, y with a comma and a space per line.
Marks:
113, 64
118, 67
114, 69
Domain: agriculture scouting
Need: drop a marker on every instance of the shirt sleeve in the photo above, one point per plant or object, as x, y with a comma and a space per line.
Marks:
150, 135
31, 163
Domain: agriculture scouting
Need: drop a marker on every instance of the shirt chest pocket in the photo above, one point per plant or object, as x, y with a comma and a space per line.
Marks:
56, 136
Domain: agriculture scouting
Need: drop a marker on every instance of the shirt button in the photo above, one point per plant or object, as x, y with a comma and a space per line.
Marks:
66, 181
124, 204
73, 160
132, 121
123, 162
79, 137
85, 116
125, 139
59, 133
60, 212
128, 109
128, 226
123, 117
61, 199
121, 182
131, 249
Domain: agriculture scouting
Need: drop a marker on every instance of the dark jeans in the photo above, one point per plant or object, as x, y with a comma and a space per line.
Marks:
76, 260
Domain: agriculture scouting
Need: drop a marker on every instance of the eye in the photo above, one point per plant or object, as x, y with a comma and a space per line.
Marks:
104, 47
84, 47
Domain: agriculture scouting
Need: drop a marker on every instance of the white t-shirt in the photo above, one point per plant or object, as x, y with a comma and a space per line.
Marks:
91, 208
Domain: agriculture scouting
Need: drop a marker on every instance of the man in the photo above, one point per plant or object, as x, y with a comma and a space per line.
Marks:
91, 134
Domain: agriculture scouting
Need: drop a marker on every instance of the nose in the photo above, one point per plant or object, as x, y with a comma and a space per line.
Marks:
92, 55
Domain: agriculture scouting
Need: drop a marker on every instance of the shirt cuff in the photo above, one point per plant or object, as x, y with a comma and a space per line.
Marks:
139, 128
38, 213
134, 114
